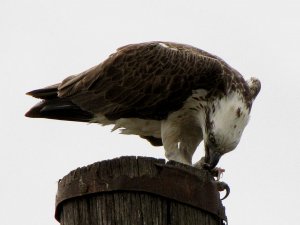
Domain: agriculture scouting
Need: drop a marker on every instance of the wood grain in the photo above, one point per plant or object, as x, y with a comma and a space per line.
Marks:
129, 208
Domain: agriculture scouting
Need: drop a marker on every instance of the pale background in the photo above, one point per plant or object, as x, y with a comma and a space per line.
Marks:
42, 42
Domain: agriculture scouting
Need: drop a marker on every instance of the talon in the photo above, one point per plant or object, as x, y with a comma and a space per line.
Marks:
221, 186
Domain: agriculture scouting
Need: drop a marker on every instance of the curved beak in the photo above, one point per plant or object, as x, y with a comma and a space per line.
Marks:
211, 158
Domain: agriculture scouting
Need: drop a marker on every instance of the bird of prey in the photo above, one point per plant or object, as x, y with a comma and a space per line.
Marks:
168, 93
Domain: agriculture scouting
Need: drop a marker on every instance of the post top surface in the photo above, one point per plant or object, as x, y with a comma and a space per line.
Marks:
172, 180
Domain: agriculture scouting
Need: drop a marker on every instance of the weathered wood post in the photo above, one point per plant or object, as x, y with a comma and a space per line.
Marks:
138, 191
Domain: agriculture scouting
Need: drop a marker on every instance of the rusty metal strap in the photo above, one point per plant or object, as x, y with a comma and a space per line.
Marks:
170, 182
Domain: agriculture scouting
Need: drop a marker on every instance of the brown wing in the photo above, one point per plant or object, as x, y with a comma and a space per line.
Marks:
145, 80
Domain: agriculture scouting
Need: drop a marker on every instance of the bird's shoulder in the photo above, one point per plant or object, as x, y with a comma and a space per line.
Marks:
145, 78
157, 65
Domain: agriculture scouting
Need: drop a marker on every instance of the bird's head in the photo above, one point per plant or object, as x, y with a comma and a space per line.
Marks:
225, 120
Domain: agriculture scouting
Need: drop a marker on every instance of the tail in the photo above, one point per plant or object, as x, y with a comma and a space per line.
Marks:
53, 107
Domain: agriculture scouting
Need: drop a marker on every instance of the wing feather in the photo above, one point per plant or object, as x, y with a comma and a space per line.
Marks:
146, 80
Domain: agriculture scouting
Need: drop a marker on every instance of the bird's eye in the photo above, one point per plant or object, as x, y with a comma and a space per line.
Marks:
212, 139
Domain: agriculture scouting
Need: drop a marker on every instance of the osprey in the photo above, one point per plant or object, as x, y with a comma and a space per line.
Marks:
170, 94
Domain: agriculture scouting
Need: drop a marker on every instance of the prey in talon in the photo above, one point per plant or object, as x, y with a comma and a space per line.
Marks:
217, 172
205, 164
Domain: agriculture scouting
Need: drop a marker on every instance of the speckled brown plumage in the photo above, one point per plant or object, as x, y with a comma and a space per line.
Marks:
170, 94
147, 80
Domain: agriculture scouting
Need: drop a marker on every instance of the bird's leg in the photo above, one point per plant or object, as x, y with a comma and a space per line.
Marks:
170, 133
180, 149
175, 153
181, 134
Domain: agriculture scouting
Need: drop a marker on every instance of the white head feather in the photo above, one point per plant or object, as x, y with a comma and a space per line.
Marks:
228, 117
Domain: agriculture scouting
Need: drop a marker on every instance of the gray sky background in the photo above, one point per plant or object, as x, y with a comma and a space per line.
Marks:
42, 42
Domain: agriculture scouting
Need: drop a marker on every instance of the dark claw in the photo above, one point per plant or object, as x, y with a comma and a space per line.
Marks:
221, 186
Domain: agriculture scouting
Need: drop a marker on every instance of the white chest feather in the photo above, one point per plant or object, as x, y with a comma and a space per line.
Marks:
138, 127
187, 116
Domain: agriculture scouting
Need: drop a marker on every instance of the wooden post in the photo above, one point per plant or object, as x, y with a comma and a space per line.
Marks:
138, 191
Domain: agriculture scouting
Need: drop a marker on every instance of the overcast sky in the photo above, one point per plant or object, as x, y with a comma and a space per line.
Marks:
42, 42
